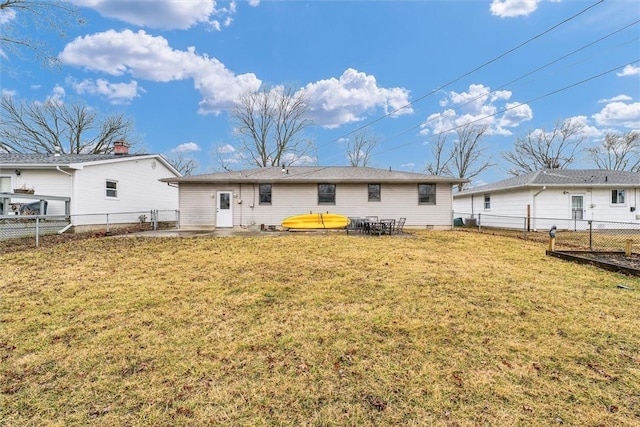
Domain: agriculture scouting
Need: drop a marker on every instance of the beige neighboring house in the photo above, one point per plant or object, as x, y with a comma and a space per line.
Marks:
87, 187
549, 195
265, 196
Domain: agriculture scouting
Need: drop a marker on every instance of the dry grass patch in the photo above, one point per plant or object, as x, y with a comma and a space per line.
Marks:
446, 328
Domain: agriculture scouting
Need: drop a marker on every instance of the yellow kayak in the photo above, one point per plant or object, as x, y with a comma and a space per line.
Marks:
316, 221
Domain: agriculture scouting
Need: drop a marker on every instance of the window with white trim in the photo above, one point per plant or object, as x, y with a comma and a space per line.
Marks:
426, 194
264, 194
111, 189
374, 192
487, 202
617, 197
326, 194
5, 184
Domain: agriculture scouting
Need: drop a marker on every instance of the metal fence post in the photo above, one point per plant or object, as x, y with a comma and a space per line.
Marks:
591, 236
524, 229
479, 222
37, 231
107, 223
177, 219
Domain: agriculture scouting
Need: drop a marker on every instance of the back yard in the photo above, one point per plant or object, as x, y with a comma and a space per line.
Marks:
446, 328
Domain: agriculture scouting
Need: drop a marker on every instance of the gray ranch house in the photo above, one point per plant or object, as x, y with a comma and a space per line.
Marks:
551, 194
263, 197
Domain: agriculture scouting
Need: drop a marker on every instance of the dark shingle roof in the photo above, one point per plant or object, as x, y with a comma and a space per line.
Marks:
306, 174
561, 178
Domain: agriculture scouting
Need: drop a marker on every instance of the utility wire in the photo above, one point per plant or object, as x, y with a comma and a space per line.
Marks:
519, 104
520, 77
491, 61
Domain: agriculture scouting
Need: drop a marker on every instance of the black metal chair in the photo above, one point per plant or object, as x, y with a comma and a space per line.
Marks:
400, 225
356, 225
387, 226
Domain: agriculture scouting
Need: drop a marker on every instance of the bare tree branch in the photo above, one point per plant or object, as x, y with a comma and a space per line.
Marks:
441, 158
183, 164
24, 18
360, 146
468, 155
546, 150
75, 128
620, 152
271, 123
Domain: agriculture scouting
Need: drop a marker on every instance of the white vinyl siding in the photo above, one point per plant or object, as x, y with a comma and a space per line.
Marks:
197, 207
548, 205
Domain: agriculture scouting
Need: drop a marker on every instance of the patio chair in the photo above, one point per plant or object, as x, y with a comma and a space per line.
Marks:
400, 225
355, 225
387, 226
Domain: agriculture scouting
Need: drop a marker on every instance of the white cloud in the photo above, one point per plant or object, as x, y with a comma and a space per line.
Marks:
226, 149
513, 8
57, 97
619, 114
147, 57
186, 147
7, 15
587, 130
615, 98
629, 70
166, 14
116, 93
479, 106
335, 102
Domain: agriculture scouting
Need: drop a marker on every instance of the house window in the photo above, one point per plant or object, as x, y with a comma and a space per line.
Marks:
112, 189
326, 194
487, 202
5, 184
617, 197
426, 194
374, 192
265, 194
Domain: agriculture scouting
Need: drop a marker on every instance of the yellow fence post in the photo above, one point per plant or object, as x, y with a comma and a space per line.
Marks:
627, 247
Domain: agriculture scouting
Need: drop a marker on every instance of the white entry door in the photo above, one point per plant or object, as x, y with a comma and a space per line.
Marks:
224, 211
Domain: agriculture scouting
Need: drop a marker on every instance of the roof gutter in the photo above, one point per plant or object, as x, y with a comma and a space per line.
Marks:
64, 172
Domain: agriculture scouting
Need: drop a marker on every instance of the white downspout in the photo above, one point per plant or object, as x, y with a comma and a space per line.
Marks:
534, 213
70, 209
64, 172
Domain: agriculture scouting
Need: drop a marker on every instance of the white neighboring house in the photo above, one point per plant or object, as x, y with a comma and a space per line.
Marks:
122, 185
266, 196
548, 195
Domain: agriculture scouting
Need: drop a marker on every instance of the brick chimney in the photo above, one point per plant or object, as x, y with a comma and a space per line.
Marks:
120, 148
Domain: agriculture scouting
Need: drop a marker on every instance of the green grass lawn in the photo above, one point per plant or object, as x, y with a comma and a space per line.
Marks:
442, 328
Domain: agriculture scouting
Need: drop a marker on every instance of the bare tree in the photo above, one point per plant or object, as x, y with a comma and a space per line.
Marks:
45, 127
271, 123
360, 146
441, 157
468, 156
547, 150
620, 152
22, 19
183, 164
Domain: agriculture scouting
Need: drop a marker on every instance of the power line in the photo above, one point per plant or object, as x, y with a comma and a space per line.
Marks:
521, 77
537, 36
520, 104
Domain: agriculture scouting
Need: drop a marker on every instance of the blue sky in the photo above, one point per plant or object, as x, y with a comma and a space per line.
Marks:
177, 66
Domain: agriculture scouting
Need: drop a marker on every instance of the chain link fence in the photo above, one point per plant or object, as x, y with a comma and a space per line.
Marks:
571, 234
38, 227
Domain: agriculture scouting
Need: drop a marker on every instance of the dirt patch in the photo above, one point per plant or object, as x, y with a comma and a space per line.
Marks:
612, 261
